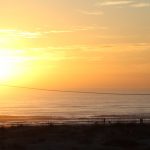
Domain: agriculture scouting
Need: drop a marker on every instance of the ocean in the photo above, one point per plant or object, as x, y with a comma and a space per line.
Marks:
72, 105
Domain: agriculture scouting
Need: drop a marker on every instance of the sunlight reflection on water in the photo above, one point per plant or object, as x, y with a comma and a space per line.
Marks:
72, 105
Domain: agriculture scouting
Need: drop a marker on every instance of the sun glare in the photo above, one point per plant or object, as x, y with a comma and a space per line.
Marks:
9, 66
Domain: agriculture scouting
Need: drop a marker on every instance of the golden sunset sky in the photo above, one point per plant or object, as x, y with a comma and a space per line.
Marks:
75, 44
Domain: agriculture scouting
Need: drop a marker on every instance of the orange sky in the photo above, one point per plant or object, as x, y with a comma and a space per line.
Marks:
74, 44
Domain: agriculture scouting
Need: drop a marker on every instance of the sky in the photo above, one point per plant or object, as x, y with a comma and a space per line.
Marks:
75, 44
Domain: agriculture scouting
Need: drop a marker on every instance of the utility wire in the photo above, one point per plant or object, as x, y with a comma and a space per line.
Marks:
70, 91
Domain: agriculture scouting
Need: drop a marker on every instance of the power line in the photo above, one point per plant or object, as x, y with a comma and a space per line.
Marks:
70, 91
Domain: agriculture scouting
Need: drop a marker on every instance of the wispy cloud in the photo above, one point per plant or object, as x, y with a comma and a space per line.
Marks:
87, 28
57, 31
113, 3
95, 13
45, 33
75, 29
31, 35
76, 52
7, 31
140, 5
129, 3
91, 53
19, 33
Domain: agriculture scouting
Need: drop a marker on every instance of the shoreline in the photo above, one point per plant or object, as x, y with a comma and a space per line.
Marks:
44, 120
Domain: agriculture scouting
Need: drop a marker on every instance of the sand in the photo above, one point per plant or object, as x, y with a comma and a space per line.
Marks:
76, 137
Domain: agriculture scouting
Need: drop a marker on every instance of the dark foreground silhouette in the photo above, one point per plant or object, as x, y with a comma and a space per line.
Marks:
76, 137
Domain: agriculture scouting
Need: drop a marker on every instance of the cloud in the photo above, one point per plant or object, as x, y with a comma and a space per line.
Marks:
44, 33
87, 28
19, 33
75, 29
129, 3
114, 3
58, 53
92, 53
7, 31
95, 13
57, 31
75, 52
140, 5
31, 35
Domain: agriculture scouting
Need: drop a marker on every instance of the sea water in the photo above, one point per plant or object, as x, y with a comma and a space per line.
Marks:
40, 103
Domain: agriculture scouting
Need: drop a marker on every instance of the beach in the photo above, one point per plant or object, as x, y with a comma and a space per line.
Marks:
76, 137
75, 75
75, 122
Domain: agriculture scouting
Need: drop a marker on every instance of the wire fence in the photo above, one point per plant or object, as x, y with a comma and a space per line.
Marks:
71, 91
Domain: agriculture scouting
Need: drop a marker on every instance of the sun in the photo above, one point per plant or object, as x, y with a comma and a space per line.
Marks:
7, 68
5, 71
10, 66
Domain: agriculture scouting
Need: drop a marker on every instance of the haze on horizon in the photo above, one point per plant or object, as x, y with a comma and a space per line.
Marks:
75, 44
